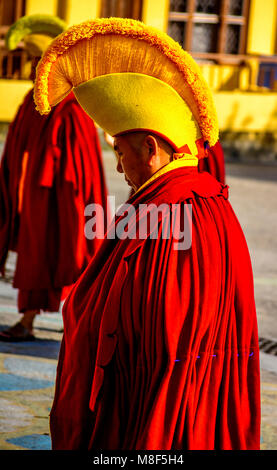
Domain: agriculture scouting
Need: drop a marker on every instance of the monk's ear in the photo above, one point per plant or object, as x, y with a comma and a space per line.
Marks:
151, 149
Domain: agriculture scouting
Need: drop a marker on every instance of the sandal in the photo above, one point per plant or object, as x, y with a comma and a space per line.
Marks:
16, 333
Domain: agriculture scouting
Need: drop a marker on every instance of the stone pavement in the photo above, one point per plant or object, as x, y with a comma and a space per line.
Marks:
27, 377
27, 370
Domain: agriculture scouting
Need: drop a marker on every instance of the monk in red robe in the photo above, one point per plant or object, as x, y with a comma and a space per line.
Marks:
160, 346
51, 169
167, 338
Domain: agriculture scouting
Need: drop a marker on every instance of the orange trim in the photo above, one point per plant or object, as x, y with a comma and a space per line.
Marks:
201, 148
22, 180
184, 149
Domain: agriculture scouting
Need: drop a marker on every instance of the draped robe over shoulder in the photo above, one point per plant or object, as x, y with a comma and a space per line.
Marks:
214, 162
50, 170
160, 346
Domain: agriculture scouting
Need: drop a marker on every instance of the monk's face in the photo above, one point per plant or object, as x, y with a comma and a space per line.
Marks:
130, 162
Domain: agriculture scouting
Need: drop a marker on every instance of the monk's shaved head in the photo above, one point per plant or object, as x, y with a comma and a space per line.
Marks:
137, 139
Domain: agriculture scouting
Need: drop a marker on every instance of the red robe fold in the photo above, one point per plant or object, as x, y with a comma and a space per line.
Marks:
160, 346
50, 170
214, 163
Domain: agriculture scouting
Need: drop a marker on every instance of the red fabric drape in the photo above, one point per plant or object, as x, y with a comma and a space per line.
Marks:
214, 163
160, 346
63, 173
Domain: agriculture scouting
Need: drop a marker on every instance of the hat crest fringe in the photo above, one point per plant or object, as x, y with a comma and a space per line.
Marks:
49, 25
201, 100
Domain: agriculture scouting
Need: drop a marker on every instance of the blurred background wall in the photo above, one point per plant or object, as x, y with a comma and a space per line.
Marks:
234, 42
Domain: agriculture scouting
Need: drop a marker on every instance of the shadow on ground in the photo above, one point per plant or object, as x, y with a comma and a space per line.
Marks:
41, 347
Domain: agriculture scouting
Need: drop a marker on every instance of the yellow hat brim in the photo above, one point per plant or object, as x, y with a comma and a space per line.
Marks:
36, 44
122, 102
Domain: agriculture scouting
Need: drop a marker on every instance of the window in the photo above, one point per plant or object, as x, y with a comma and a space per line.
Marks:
122, 9
205, 27
11, 63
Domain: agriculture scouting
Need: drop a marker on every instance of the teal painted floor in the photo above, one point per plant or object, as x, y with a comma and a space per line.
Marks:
27, 380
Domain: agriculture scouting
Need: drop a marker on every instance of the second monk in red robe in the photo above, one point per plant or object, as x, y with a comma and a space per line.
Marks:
51, 169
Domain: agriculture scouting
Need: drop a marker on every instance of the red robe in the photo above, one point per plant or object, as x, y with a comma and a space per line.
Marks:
214, 163
50, 170
160, 346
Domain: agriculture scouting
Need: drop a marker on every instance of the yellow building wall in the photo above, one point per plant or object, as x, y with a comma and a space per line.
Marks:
72, 11
41, 6
223, 77
155, 13
262, 27
238, 109
246, 111
77, 11
12, 93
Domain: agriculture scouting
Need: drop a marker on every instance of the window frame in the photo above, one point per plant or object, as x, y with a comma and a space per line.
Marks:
19, 53
116, 8
223, 20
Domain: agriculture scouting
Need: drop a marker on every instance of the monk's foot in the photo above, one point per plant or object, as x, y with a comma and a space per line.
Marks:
17, 333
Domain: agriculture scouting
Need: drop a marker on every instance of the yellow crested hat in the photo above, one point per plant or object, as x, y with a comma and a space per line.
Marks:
129, 77
36, 31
